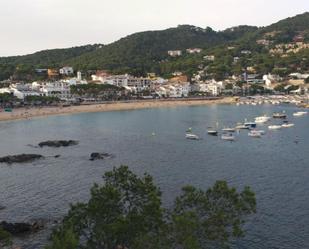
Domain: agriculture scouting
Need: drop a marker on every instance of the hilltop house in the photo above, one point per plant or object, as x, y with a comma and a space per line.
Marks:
66, 71
194, 50
174, 53
209, 57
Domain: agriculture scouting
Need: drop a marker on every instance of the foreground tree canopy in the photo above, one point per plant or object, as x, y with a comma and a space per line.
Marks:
126, 212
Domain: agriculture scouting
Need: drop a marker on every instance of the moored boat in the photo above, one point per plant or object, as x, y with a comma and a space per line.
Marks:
279, 115
274, 127
228, 137
262, 119
240, 126
254, 133
251, 125
212, 132
192, 136
287, 125
299, 114
229, 129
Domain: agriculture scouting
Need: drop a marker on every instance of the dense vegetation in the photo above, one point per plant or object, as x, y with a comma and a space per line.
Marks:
98, 91
5, 238
147, 52
126, 212
24, 65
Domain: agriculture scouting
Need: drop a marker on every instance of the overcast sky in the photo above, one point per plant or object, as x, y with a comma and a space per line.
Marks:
27, 26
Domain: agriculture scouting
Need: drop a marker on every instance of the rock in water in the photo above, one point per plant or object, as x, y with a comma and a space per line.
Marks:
16, 228
21, 228
58, 143
99, 156
22, 158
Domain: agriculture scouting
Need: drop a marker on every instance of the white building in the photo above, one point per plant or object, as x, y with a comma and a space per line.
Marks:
178, 90
271, 78
66, 71
236, 59
174, 53
194, 50
100, 75
57, 89
135, 83
299, 75
245, 52
21, 91
214, 89
6, 90
139, 84
79, 76
209, 57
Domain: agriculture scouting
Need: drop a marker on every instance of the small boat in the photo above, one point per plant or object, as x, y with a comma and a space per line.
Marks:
299, 114
229, 129
279, 115
228, 137
250, 124
274, 127
212, 132
287, 125
192, 136
262, 132
254, 133
240, 126
8, 109
262, 119
189, 129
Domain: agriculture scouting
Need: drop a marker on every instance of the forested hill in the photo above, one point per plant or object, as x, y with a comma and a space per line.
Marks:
144, 51
147, 51
42, 59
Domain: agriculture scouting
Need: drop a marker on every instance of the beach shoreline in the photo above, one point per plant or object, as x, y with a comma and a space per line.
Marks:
29, 113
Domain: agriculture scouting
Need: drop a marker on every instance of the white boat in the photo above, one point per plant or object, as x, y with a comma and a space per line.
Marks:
299, 114
261, 132
287, 125
254, 134
274, 127
279, 115
212, 132
250, 124
229, 129
228, 137
192, 136
240, 126
262, 119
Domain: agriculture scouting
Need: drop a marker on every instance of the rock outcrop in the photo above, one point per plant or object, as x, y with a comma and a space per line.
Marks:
22, 158
99, 156
21, 228
58, 143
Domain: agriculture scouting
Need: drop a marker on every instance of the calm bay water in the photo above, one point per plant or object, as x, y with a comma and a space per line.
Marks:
275, 166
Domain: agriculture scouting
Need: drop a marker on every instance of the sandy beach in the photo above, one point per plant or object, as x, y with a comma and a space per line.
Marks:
28, 113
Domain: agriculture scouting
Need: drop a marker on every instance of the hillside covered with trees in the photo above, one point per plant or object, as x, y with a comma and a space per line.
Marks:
145, 52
